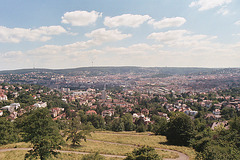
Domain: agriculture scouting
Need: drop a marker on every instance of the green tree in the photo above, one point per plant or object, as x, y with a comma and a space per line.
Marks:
96, 120
228, 113
25, 98
8, 133
180, 129
160, 125
216, 152
143, 153
128, 122
43, 133
118, 125
141, 127
78, 131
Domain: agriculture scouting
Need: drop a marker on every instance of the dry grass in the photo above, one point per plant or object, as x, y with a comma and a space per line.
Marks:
133, 138
19, 155
140, 140
12, 155
101, 147
17, 145
113, 149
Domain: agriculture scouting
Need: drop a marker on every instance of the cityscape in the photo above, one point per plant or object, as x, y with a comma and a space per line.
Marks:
120, 80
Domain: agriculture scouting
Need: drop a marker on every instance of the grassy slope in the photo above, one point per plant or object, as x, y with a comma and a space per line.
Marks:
137, 139
141, 139
19, 155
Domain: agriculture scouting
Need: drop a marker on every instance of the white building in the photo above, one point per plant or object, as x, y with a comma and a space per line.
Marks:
3, 97
12, 107
40, 105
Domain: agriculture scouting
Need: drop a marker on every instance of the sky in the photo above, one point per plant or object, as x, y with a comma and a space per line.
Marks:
59, 34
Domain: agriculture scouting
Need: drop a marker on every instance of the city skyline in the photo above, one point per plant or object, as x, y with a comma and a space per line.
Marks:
71, 34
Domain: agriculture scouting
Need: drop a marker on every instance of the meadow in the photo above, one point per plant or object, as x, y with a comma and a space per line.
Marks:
110, 143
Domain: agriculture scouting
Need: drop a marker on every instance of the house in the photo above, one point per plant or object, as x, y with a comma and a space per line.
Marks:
210, 116
108, 113
21, 112
12, 107
60, 116
56, 111
40, 105
15, 94
91, 112
135, 115
147, 120
12, 116
218, 124
145, 111
193, 113
3, 97
217, 112
161, 114
129, 109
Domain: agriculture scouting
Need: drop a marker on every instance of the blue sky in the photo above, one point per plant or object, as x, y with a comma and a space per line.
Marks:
79, 33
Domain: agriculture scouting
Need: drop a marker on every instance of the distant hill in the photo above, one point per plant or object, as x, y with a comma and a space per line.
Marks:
157, 71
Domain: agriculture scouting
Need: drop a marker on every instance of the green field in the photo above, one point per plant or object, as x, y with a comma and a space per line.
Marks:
19, 155
141, 139
112, 143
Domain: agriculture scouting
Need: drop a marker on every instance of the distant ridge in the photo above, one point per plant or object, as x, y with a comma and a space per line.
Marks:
126, 69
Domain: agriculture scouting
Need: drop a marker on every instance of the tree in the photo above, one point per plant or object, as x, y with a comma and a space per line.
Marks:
228, 113
180, 129
96, 120
128, 122
143, 153
8, 132
214, 152
43, 133
141, 127
118, 125
78, 131
160, 125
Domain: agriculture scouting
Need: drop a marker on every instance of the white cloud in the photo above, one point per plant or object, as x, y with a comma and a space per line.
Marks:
103, 35
136, 49
128, 20
237, 23
236, 34
11, 54
167, 22
167, 36
209, 4
223, 11
15, 35
98, 37
183, 39
80, 18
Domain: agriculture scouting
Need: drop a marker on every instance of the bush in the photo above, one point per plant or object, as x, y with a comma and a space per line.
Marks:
143, 153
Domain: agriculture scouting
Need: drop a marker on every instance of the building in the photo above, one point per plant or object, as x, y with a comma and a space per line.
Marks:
91, 112
107, 113
3, 97
40, 105
12, 107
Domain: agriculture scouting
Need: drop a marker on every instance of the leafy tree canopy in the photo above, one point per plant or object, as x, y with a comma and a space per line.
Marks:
143, 153
43, 133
